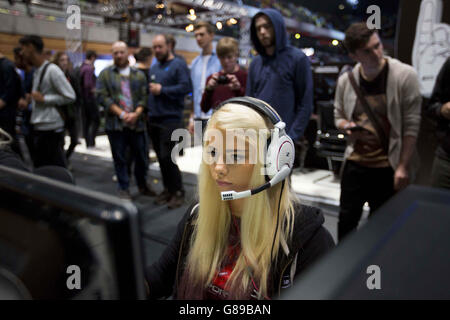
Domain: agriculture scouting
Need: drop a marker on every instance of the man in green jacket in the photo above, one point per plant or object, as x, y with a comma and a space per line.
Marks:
122, 90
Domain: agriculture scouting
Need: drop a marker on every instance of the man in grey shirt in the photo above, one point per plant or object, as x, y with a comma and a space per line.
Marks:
51, 90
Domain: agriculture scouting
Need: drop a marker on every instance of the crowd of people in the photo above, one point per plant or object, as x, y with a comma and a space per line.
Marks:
377, 104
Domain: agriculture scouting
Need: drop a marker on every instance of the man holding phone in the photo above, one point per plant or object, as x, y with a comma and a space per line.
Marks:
378, 105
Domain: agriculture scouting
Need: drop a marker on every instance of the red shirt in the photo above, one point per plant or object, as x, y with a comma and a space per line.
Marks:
216, 290
212, 98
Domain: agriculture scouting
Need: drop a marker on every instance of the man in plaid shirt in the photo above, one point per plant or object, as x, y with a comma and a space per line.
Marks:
122, 90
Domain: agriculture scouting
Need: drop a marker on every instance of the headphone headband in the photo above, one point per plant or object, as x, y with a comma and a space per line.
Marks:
256, 105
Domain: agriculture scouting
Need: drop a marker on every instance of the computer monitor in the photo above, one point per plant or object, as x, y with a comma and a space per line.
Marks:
102, 62
59, 241
403, 252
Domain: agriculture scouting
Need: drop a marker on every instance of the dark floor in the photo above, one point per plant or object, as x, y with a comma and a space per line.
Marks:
158, 223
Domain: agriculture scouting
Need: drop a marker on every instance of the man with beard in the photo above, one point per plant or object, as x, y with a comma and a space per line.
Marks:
281, 74
169, 84
122, 90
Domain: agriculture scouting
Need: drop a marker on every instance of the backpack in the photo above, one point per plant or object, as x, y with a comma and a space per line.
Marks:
67, 112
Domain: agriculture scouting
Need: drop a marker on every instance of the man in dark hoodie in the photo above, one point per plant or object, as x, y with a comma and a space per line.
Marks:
281, 74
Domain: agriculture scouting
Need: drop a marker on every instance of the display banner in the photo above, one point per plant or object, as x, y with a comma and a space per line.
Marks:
423, 38
74, 43
245, 44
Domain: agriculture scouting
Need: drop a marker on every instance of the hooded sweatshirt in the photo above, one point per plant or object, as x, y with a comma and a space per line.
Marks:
283, 80
57, 91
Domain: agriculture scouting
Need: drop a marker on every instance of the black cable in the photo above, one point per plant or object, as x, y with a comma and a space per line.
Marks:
278, 219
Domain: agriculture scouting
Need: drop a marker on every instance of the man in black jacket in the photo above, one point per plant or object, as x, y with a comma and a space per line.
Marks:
10, 92
439, 109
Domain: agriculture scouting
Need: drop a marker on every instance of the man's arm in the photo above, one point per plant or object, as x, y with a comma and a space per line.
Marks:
439, 105
303, 85
401, 176
104, 95
340, 119
12, 81
64, 91
182, 87
132, 117
206, 102
249, 85
411, 105
143, 97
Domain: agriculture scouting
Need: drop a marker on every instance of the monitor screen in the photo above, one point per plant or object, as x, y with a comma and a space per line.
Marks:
105, 60
102, 62
59, 241
402, 252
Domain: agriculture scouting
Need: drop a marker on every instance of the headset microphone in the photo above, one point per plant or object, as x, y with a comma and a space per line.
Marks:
279, 176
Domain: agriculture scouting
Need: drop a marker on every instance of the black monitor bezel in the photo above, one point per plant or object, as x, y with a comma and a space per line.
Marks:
120, 217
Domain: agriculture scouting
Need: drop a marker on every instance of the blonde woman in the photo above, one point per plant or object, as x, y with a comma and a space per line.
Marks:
248, 248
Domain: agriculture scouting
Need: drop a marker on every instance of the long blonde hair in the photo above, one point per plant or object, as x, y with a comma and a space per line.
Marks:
258, 220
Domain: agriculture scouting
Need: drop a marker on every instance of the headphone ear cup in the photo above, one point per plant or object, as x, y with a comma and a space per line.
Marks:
279, 154
271, 160
286, 152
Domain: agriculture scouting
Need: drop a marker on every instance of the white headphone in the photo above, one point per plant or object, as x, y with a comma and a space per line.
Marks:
280, 151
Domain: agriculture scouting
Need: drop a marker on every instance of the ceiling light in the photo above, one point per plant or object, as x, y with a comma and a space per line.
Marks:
233, 21
219, 25
334, 42
192, 12
190, 28
298, 36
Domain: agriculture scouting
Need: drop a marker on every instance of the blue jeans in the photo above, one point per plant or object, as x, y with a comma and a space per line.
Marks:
137, 141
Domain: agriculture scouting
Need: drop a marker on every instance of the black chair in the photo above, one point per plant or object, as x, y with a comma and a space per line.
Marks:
330, 142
